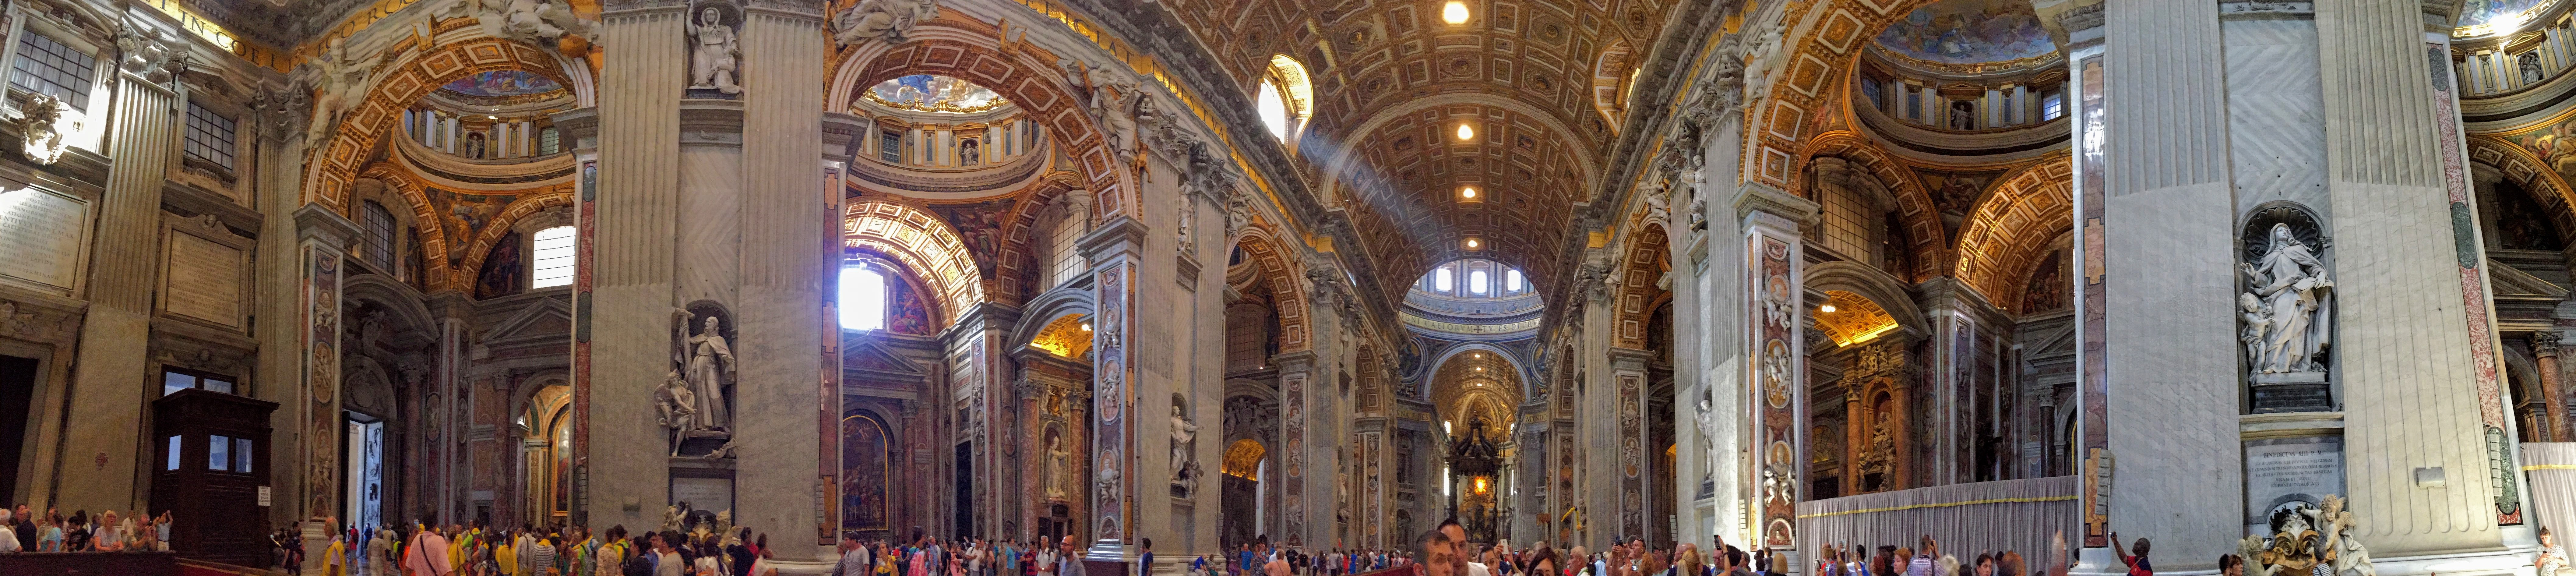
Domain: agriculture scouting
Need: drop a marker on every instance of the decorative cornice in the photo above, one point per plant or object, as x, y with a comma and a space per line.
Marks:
1756, 197
314, 222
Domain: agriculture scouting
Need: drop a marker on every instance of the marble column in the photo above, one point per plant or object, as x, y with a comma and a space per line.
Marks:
640, 85
1776, 395
1634, 462
2166, 402
2544, 344
322, 238
1298, 373
1116, 251
114, 378
578, 132
2427, 450
785, 216
980, 372
439, 448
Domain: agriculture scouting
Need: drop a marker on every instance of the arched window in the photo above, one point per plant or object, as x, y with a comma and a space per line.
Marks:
1512, 280
1443, 281
380, 235
1285, 97
552, 258
863, 298
1478, 282
1273, 108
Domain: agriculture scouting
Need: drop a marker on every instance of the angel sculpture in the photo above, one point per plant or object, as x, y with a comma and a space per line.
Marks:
2347, 555
888, 19
678, 407
341, 83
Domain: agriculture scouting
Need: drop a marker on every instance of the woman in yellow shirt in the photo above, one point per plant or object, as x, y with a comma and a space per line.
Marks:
509, 559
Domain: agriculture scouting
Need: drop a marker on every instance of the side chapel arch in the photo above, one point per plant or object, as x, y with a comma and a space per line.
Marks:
2010, 228
333, 165
922, 243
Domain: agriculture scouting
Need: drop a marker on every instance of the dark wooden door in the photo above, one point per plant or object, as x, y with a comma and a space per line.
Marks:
214, 458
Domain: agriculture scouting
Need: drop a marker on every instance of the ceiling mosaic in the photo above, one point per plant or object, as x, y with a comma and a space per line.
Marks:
502, 84
934, 93
1398, 62
1969, 32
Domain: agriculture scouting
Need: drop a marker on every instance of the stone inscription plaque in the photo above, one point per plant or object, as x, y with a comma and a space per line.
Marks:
41, 231
205, 280
2280, 471
702, 493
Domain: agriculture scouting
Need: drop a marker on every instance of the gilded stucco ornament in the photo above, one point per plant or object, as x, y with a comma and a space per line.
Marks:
143, 51
282, 110
42, 120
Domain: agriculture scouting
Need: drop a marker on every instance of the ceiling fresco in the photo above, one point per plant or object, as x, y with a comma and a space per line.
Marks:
2480, 12
1969, 32
503, 83
934, 93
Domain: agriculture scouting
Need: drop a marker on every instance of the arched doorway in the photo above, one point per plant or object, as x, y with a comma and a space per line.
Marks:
1245, 460
546, 446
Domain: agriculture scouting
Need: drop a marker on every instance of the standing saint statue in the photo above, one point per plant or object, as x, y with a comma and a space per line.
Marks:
1184, 437
1059, 465
714, 52
710, 366
2296, 300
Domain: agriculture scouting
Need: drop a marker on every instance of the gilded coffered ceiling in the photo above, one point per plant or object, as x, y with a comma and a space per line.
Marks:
1540, 82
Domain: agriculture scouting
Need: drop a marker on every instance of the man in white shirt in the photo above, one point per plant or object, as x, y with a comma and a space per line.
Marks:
8, 532
1458, 542
668, 561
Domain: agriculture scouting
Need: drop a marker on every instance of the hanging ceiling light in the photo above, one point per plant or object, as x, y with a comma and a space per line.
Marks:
1474, 244
1466, 132
1467, 192
1454, 13
1828, 309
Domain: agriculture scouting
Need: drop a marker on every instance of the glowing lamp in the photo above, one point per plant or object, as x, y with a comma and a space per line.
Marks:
1454, 13
1828, 309
1466, 132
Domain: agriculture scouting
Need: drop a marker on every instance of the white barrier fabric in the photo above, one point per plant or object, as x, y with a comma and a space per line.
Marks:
1968, 519
2550, 467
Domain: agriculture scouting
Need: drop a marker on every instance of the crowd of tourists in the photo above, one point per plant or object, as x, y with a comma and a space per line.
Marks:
1254, 559
477, 550
23, 531
926, 556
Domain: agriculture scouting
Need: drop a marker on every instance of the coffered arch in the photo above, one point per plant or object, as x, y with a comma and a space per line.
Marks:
1404, 179
2011, 227
333, 165
961, 47
1922, 223
1277, 263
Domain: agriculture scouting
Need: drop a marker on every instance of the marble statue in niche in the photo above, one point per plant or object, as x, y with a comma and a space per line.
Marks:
2288, 306
1711, 422
2529, 63
1059, 466
1963, 115
970, 153
715, 52
708, 368
1185, 462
